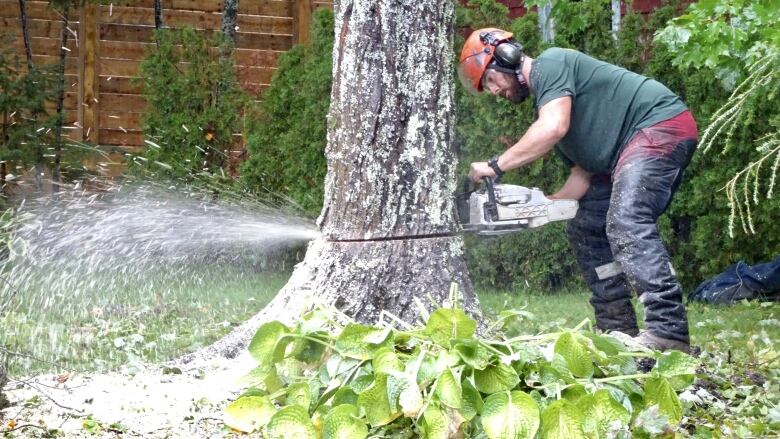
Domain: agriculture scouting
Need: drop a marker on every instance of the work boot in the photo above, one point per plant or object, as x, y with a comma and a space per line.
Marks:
657, 343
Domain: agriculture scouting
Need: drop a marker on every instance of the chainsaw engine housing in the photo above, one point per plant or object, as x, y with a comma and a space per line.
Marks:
503, 208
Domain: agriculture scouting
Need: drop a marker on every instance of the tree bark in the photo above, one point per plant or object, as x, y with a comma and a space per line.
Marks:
25, 32
388, 217
158, 14
229, 14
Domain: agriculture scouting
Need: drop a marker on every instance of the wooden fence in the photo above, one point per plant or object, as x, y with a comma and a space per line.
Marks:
107, 42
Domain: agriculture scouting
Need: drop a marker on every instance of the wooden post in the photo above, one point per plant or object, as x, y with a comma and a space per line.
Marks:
88, 115
301, 20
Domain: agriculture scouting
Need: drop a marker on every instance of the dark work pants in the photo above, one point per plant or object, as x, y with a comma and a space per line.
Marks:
616, 240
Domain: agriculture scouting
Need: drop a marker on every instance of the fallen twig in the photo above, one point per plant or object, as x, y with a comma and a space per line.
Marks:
53, 400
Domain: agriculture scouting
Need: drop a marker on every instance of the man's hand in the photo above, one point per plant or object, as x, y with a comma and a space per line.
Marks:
479, 170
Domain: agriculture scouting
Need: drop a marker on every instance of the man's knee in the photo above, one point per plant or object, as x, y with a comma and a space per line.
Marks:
621, 231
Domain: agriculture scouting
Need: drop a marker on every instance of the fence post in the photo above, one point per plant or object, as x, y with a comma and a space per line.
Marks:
89, 81
301, 20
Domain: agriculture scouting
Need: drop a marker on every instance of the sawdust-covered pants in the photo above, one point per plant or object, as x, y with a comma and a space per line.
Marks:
615, 237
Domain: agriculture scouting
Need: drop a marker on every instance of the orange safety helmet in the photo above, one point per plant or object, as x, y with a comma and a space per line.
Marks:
478, 54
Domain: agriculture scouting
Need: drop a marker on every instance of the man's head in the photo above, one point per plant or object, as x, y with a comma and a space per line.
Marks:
492, 60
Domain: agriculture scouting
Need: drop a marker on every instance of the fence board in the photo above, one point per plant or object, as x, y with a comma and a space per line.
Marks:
46, 46
120, 138
194, 19
254, 89
118, 120
124, 49
119, 85
38, 28
263, 41
35, 10
118, 67
121, 102
136, 51
273, 8
244, 40
71, 62
254, 75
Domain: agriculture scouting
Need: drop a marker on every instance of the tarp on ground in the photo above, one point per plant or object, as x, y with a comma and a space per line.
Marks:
741, 281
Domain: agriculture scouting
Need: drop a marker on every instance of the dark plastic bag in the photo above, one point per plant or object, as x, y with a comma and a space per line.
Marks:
740, 281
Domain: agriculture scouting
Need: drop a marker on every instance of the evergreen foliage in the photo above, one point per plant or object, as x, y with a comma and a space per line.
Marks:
24, 124
696, 225
194, 106
286, 139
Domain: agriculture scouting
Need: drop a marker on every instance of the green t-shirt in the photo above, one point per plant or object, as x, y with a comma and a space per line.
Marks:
609, 105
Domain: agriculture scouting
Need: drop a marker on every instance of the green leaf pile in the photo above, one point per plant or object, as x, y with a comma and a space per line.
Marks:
443, 380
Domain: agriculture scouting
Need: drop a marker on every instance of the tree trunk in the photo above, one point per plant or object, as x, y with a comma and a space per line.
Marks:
229, 14
56, 177
158, 14
25, 33
38, 168
388, 216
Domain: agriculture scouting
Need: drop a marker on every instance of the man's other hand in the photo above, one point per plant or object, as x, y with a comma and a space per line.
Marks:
479, 170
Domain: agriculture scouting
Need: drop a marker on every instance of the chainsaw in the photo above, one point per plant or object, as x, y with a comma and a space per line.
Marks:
497, 209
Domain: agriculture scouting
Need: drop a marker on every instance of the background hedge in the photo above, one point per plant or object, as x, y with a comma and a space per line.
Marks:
287, 141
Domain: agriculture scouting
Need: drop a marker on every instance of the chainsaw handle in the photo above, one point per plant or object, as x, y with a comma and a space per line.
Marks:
491, 207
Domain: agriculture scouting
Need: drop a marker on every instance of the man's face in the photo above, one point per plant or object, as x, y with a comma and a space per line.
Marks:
503, 85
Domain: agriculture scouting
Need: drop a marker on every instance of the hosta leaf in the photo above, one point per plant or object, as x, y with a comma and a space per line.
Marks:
375, 404
249, 413
299, 394
510, 415
473, 353
448, 390
264, 342
361, 342
496, 378
677, 367
578, 359
291, 422
386, 361
308, 351
446, 324
562, 420
574, 393
428, 371
403, 392
441, 423
472, 402
345, 395
342, 422
659, 391
600, 410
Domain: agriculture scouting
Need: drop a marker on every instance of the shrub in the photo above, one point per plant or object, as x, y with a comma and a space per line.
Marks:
695, 225
286, 138
194, 105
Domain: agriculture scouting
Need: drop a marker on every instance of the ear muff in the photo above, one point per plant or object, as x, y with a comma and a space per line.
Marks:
509, 54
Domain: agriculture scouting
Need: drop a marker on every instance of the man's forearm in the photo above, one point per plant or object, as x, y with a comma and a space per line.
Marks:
576, 185
536, 142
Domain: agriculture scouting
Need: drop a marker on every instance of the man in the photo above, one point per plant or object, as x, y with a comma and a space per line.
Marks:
627, 139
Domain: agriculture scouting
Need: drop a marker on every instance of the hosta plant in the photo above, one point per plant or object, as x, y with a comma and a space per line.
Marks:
328, 377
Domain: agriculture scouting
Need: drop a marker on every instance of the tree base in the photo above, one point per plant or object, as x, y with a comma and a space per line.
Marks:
361, 279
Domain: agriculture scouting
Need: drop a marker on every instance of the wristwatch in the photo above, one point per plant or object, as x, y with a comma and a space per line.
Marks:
493, 163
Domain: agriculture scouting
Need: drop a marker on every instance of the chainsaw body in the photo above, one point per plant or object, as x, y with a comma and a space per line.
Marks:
498, 209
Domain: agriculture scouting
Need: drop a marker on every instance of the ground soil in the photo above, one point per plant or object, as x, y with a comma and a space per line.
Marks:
151, 403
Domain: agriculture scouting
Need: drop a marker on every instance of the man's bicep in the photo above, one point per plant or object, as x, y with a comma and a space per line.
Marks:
557, 114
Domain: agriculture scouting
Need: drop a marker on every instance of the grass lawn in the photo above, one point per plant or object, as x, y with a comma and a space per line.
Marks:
100, 330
